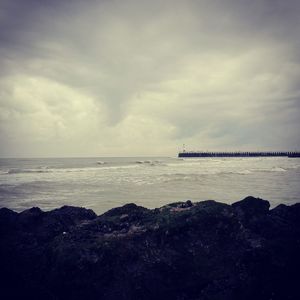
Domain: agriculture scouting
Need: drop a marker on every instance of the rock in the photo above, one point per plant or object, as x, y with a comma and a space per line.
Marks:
184, 250
72, 214
7, 220
189, 203
7, 216
252, 212
252, 206
131, 210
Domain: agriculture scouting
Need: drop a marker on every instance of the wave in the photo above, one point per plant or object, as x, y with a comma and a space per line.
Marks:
293, 167
118, 167
278, 169
143, 162
18, 171
186, 167
62, 170
274, 169
193, 176
150, 162
244, 172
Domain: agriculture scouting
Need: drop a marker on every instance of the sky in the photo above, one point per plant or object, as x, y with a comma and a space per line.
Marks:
141, 78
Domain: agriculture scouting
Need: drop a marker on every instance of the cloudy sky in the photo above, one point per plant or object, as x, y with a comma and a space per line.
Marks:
140, 77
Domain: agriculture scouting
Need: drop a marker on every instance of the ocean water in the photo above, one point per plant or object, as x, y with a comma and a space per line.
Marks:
104, 183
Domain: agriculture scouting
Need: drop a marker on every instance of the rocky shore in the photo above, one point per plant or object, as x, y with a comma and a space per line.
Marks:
187, 251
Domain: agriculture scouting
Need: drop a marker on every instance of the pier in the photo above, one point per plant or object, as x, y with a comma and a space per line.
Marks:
290, 154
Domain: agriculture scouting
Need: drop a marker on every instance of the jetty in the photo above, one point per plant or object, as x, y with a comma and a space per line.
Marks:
290, 154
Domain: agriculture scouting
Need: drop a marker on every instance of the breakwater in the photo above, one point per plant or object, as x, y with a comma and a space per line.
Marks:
290, 154
184, 250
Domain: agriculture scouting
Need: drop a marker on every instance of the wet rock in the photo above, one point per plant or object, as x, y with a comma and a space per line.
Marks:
252, 212
185, 250
7, 216
130, 208
251, 206
189, 203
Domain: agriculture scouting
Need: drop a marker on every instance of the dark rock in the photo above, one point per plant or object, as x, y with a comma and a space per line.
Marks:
185, 250
252, 206
7, 219
252, 213
7, 215
74, 213
127, 209
34, 211
189, 203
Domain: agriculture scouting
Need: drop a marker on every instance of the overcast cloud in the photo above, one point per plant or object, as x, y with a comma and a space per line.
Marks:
135, 77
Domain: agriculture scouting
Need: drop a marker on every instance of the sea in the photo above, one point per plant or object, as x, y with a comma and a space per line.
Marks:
102, 183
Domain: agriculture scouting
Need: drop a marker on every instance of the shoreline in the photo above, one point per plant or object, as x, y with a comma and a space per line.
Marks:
183, 250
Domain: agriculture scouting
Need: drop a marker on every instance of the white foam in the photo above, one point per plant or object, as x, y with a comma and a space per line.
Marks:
18, 171
273, 169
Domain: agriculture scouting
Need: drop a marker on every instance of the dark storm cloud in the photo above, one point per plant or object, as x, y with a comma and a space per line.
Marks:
153, 74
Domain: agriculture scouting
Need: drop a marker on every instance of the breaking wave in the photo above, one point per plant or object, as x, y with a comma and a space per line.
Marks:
150, 162
274, 169
15, 171
18, 171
